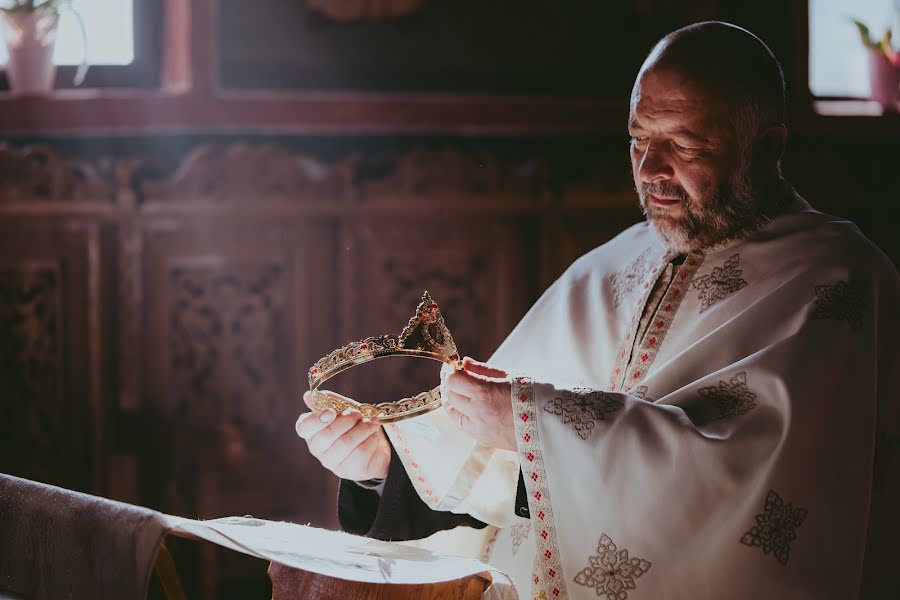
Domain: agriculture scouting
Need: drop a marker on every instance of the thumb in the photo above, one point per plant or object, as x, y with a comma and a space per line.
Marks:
307, 400
479, 368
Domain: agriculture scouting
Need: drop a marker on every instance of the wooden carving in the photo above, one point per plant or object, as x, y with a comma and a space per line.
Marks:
226, 323
31, 413
40, 173
249, 174
452, 171
128, 264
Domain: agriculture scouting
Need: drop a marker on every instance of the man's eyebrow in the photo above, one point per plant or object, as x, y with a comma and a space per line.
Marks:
694, 137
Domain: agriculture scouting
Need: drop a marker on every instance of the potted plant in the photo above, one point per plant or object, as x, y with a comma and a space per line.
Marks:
884, 67
29, 28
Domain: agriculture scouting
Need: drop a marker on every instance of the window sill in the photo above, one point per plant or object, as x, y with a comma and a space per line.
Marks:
850, 108
159, 111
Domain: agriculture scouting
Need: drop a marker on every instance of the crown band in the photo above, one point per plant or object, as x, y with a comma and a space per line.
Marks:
386, 412
425, 336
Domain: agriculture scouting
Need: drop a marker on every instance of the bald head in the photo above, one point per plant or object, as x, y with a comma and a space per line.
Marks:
727, 61
707, 134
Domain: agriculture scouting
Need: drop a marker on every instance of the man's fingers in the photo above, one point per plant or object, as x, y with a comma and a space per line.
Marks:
458, 402
307, 400
364, 452
344, 446
485, 370
320, 442
462, 420
464, 383
309, 424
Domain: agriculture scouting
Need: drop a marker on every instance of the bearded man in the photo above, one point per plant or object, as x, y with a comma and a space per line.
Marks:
703, 407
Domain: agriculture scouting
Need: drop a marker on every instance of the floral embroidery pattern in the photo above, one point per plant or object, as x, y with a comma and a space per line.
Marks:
582, 408
776, 527
886, 446
548, 571
624, 281
612, 573
519, 534
841, 301
729, 399
722, 282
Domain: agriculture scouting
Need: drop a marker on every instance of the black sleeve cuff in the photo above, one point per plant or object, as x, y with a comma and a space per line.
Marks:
399, 514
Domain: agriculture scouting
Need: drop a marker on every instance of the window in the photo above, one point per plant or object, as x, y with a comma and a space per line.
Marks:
110, 32
123, 48
838, 65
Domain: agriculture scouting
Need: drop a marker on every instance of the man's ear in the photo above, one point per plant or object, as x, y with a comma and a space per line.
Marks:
771, 143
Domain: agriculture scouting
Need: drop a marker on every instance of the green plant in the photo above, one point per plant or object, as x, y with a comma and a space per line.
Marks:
883, 45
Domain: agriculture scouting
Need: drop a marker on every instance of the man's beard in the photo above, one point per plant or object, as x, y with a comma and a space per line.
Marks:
730, 211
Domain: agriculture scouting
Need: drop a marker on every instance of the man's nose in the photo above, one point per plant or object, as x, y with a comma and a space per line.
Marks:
655, 165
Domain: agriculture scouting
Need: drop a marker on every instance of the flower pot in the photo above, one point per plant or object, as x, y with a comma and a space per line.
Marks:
884, 77
30, 39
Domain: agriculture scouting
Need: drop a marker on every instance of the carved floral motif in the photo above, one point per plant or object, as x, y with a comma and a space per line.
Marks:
40, 173
226, 344
31, 408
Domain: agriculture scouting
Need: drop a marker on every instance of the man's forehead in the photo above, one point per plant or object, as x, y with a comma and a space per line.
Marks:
666, 98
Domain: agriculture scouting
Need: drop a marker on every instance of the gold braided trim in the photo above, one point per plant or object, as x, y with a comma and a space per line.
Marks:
386, 412
425, 336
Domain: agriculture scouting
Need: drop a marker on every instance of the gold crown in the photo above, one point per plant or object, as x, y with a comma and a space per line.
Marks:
425, 336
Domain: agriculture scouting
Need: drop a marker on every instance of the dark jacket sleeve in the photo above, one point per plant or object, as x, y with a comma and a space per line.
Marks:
399, 514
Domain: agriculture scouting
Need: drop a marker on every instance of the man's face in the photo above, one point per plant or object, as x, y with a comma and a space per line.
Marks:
689, 168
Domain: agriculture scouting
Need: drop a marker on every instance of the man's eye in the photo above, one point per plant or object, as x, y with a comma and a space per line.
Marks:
684, 149
638, 141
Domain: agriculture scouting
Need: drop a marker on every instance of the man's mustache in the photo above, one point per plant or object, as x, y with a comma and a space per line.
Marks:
663, 190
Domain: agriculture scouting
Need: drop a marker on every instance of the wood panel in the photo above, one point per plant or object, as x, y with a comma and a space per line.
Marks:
50, 343
229, 312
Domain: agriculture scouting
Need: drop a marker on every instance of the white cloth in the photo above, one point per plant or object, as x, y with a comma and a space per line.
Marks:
741, 448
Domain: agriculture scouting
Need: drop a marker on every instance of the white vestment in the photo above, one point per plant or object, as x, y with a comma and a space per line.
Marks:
740, 448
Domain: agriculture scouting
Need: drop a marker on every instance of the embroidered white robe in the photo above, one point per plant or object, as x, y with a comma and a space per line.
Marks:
730, 452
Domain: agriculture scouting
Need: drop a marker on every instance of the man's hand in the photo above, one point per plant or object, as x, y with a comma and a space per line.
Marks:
477, 398
346, 445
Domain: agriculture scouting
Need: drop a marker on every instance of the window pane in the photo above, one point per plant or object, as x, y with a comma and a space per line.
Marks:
110, 33
837, 59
